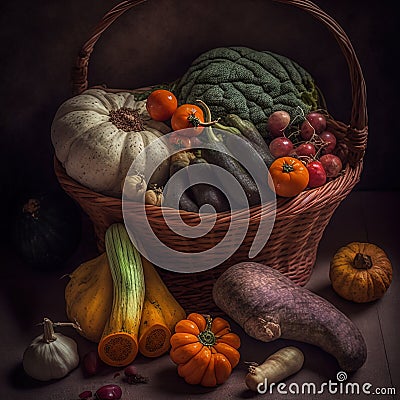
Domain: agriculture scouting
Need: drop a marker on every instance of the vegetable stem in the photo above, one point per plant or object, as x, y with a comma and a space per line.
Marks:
32, 207
207, 337
287, 168
362, 261
208, 121
48, 329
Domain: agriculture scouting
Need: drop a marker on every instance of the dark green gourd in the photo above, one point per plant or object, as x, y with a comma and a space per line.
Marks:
46, 230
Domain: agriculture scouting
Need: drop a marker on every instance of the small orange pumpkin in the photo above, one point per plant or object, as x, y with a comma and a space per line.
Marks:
360, 272
204, 349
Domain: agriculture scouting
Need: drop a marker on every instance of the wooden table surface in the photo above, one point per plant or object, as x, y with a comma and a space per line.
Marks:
28, 296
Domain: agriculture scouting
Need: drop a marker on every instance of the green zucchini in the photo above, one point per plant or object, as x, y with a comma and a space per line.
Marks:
221, 156
249, 130
118, 345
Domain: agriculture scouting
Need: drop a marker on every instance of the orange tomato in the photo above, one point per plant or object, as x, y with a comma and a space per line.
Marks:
161, 104
188, 116
288, 176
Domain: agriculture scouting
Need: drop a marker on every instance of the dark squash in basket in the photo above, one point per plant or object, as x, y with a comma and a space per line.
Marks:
46, 229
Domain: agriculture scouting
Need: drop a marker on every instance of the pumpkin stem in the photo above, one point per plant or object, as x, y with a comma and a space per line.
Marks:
32, 207
48, 329
362, 261
126, 119
207, 337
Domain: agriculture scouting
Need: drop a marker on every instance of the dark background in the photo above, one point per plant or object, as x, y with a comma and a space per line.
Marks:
156, 41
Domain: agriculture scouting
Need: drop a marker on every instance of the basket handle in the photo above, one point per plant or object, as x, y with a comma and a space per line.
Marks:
80, 70
356, 131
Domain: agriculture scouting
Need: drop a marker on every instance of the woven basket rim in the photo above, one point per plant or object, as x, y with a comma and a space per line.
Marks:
310, 198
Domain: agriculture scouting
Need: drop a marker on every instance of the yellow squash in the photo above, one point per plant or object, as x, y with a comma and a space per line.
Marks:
88, 297
91, 296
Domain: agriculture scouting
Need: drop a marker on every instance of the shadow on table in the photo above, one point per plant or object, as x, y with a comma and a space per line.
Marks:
169, 382
18, 379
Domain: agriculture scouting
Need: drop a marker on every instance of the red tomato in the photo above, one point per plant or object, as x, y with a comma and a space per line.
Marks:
188, 116
161, 104
317, 174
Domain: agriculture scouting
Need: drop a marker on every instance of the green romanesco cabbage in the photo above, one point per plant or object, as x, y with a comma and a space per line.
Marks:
252, 84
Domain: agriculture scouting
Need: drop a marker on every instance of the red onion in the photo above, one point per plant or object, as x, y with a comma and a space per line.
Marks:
330, 142
277, 122
305, 149
108, 392
132, 376
87, 394
131, 370
317, 121
91, 363
332, 165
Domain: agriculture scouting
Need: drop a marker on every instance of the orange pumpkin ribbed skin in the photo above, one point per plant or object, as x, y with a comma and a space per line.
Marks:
199, 320
205, 350
220, 326
360, 272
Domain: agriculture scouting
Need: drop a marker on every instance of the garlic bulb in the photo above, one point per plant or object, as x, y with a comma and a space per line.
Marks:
51, 355
134, 187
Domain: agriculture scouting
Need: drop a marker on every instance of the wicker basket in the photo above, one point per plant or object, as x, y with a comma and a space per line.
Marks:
299, 222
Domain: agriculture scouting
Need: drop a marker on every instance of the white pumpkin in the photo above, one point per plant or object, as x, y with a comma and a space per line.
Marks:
97, 135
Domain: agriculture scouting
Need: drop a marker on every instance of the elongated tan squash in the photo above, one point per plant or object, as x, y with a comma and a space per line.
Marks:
161, 313
88, 297
154, 335
158, 293
119, 343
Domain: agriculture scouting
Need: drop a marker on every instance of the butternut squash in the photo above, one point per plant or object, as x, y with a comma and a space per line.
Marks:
88, 297
118, 345
161, 313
